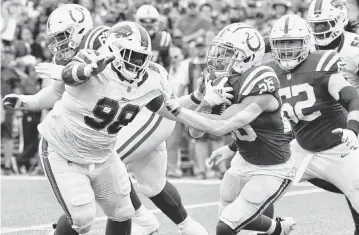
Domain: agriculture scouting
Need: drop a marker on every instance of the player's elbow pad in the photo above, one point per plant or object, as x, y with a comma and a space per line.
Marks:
74, 74
349, 98
195, 133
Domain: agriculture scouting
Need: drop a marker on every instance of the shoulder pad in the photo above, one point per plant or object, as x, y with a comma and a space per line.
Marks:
161, 75
160, 70
350, 36
261, 80
271, 63
165, 39
95, 38
275, 66
322, 61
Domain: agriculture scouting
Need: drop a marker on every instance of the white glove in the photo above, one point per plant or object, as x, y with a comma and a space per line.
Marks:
49, 70
96, 61
220, 155
348, 137
13, 101
218, 94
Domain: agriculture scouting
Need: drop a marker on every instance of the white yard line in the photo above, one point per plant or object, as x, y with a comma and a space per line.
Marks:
175, 181
42, 227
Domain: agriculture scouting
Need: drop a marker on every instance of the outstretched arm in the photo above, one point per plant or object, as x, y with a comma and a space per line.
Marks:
233, 118
85, 64
44, 99
348, 97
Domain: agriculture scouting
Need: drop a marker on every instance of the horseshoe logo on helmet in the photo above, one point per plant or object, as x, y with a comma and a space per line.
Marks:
254, 49
82, 19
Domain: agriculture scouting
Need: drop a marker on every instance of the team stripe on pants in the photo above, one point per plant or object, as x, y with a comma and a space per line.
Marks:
266, 204
50, 175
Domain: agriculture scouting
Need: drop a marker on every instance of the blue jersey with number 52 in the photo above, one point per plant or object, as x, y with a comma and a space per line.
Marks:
263, 142
311, 109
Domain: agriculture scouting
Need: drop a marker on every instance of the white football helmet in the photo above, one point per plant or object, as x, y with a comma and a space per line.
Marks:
290, 40
66, 27
131, 45
327, 19
237, 47
149, 18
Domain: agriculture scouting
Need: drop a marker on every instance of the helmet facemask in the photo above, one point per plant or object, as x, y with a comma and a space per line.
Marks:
290, 52
130, 63
61, 45
328, 24
325, 31
222, 57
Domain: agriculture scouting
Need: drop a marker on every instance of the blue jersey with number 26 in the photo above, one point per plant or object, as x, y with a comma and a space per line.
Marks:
263, 141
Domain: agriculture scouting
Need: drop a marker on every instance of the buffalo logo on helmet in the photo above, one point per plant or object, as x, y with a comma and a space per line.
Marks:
123, 31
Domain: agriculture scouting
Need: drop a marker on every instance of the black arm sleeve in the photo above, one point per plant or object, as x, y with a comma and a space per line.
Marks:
349, 98
155, 104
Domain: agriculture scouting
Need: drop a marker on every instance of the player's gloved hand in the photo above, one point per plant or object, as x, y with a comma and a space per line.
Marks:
348, 137
203, 79
201, 84
220, 155
96, 62
49, 70
13, 101
218, 94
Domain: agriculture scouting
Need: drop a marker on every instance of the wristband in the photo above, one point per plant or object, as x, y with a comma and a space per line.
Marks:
353, 125
194, 98
198, 95
173, 107
85, 70
176, 111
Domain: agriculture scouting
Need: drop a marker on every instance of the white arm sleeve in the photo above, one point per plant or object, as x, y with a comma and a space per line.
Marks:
45, 98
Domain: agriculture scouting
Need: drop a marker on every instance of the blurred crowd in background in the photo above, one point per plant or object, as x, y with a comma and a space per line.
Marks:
191, 24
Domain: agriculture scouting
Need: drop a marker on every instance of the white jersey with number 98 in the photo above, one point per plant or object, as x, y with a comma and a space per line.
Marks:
84, 124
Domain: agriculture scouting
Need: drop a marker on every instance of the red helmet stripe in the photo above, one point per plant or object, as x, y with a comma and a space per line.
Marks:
144, 37
286, 25
318, 5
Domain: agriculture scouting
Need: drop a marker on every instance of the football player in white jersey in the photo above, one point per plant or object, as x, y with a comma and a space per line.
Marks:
130, 44
186, 224
327, 20
78, 157
146, 126
101, 179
